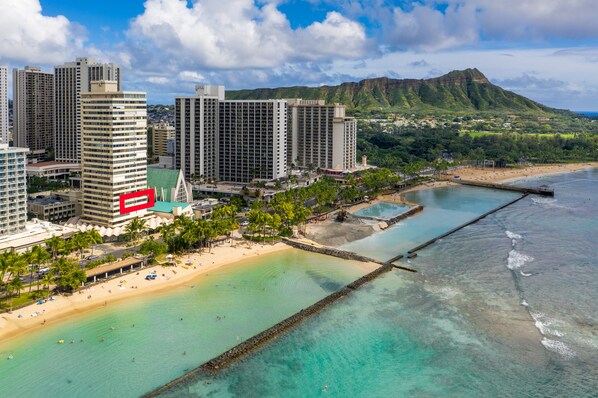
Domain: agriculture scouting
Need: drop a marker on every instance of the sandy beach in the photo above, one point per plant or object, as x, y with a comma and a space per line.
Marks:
504, 174
190, 267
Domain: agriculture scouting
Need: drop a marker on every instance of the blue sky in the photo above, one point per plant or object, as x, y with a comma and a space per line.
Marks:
544, 49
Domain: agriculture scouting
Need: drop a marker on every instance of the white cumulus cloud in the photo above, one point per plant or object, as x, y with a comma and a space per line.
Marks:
242, 34
27, 36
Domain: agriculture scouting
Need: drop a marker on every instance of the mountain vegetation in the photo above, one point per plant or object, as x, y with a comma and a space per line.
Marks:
465, 91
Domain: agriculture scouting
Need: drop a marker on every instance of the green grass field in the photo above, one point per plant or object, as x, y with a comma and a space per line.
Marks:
475, 134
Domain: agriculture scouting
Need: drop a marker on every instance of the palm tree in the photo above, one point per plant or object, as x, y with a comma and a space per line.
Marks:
55, 245
94, 238
80, 241
36, 257
135, 227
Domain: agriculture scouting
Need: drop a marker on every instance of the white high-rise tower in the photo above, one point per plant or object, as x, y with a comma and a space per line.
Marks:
71, 80
3, 104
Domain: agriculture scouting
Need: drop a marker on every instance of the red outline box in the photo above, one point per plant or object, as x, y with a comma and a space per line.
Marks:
149, 193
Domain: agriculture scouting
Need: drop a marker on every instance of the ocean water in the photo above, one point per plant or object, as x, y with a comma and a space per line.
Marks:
507, 307
444, 209
151, 340
382, 210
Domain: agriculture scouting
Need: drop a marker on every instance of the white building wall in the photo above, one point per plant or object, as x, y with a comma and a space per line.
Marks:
71, 80
3, 104
13, 190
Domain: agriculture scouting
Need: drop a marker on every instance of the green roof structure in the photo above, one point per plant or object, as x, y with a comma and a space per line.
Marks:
169, 184
166, 207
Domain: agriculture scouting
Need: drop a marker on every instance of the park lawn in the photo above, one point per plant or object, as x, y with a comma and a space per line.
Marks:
475, 134
25, 298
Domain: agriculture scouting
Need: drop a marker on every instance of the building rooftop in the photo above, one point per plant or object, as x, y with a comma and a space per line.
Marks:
162, 178
51, 164
166, 207
46, 200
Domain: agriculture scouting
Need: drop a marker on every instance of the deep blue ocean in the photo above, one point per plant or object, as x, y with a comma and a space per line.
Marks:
507, 307
588, 113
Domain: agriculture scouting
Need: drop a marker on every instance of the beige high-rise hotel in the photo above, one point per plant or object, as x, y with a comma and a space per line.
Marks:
113, 152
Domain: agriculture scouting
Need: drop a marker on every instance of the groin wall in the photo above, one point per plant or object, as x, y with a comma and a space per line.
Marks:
262, 338
404, 215
535, 191
329, 251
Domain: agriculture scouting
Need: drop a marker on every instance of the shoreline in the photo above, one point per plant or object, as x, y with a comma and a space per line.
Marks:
113, 291
500, 175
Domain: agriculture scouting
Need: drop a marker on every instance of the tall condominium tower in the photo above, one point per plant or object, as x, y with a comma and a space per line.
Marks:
320, 135
71, 81
252, 142
113, 152
161, 133
196, 134
33, 111
3, 104
13, 189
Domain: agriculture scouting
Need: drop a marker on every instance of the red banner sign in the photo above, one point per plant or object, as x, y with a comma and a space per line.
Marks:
148, 193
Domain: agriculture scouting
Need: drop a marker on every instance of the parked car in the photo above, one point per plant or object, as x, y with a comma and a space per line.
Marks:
43, 271
244, 223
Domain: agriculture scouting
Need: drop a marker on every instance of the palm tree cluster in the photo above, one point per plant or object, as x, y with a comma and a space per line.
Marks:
186, 234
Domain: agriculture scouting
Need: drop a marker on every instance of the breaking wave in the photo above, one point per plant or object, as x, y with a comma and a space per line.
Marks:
517, 260
559, 347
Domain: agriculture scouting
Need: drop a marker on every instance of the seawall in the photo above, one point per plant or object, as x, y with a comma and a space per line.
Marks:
329, 251
536, 191
262, 338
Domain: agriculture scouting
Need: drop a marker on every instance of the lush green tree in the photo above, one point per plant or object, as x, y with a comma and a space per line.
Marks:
152, 248
36, 257
67, 275
79, 242
135, 227
55, 245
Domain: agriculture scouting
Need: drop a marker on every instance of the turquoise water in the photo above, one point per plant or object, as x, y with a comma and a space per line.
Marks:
383, 210
444, 209
507, 307
152, 340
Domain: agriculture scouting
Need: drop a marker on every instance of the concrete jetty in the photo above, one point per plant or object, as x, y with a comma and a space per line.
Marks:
475, 220
262, 338
329, 251
541, 190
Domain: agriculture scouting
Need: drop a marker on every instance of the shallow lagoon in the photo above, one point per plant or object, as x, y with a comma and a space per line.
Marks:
383, 210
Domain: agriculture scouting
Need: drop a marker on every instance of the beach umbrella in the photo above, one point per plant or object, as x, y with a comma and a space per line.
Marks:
102, 230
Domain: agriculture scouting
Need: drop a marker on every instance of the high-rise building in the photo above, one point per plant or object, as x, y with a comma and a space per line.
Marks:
196, 132
13, 189
3, 104
161, 133
252, 142
231, 141
320, 135
33, 111
113, 152
71, 81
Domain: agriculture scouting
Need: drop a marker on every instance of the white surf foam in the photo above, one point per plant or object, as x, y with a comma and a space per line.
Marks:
524, 303
513, 235
546, 325
524, 274
559, 347
517, 260
546, 202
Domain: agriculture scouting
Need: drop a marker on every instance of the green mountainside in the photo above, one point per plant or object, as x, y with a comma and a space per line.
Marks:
465, 91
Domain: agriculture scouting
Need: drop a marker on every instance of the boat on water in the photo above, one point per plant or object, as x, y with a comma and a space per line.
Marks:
61, 341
